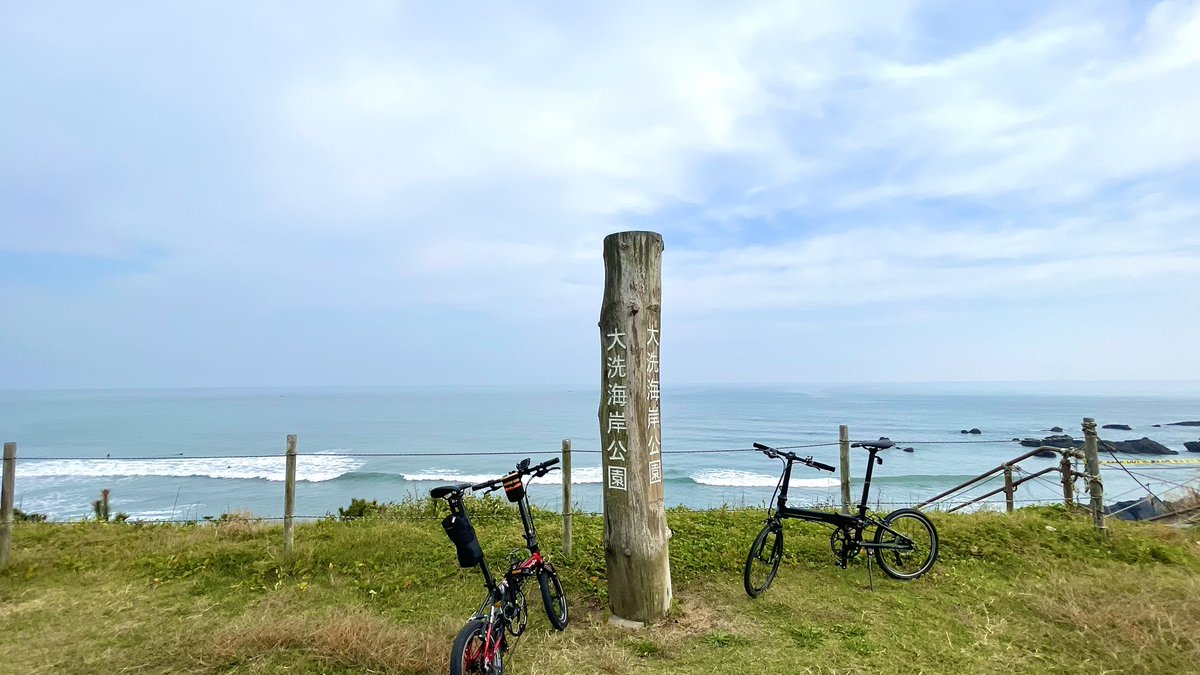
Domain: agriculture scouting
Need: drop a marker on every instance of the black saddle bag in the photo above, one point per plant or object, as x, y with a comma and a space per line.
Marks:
462, 533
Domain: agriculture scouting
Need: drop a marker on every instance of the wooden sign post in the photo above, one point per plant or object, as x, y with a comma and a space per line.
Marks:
635, 520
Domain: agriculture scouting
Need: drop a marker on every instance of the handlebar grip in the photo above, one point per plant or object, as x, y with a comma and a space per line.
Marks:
485, 484
824, 467
760, 446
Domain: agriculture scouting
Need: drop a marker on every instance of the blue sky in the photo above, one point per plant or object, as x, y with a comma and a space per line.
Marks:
401, 193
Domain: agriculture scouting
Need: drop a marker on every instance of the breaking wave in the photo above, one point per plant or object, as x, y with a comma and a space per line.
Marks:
578, 476
735, 478
311, 468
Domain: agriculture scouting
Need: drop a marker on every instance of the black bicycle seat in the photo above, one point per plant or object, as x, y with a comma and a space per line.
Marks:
881, 444
445, 490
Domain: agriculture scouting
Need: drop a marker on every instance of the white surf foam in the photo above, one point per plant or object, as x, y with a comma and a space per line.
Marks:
735, 478
309, 468
578, 476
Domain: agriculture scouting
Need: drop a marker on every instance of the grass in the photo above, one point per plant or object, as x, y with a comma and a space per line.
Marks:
1035, 591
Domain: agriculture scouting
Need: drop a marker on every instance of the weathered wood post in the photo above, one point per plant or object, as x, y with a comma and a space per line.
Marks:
635, 520
1091, 459
8, 483
1008, 488
289, 497
844, 466
1068, 480
566, 502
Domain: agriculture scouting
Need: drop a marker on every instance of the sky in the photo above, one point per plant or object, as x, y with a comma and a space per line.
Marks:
391, 193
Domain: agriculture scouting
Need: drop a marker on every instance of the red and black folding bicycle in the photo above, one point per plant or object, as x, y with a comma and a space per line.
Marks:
482, 645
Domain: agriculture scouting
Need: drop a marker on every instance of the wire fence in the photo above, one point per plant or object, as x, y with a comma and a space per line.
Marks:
1144, 480
483, 453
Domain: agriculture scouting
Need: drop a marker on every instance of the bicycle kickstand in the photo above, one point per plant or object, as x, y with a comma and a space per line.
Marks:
870, 577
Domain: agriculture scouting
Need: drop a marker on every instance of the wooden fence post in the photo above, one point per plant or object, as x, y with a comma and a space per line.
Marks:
566, 498
7, 485
1068, 480
1008, 488
289, 496
1091, 458
636, 537
844, 466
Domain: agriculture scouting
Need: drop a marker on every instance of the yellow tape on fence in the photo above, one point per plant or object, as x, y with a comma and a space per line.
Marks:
1154, 461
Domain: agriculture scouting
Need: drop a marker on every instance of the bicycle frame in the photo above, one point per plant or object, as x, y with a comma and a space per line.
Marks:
855, 523
529, 567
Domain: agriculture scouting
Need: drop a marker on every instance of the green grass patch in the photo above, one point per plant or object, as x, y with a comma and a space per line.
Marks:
1035, 591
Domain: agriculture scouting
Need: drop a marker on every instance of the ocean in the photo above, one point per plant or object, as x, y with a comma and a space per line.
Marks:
94, 440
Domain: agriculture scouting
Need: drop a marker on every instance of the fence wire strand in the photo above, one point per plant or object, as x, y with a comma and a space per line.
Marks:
473, 453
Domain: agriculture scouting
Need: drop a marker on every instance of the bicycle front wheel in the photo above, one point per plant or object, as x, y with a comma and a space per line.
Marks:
763, 561
553, 598
907, 544
469, 655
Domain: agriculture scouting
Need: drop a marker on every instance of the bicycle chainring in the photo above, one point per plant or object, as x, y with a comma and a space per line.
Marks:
843, 545
515, 614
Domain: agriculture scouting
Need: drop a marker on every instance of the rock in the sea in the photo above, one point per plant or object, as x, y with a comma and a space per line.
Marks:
975, 431
1142, 446
1192, 446
1184, 424
1046, 453
909, 450
964, 431
1056, 441
1138, 509
1016, 440
1056, 430
1122, 427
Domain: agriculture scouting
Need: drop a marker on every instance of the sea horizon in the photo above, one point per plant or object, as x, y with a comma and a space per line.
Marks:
395, 442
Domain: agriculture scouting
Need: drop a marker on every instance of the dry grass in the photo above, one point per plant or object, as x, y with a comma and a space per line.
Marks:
1187, 504
356, 640
1124, 619
240, 524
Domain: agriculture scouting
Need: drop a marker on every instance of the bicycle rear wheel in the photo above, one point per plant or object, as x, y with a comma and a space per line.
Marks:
910, 544
763, 561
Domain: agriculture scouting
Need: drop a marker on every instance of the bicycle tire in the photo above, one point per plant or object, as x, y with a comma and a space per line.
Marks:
900, 565
553, 598
772, 535
466, 656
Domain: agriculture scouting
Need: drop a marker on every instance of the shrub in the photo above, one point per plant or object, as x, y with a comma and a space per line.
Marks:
22, 517
360, 508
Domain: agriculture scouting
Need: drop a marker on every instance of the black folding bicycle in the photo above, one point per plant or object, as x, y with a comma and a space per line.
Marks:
905, 543
483, 644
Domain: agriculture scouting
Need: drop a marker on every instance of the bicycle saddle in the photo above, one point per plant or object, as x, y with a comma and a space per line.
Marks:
445, 490
881, 444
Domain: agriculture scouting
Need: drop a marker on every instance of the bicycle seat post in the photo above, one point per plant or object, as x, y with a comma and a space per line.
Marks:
866, 493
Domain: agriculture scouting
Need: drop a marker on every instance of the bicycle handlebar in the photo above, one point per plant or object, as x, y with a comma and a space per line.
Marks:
792, 457
523, 469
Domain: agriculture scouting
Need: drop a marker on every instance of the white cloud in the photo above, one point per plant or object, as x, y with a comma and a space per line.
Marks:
1092, 255
798, 157
1062, 110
